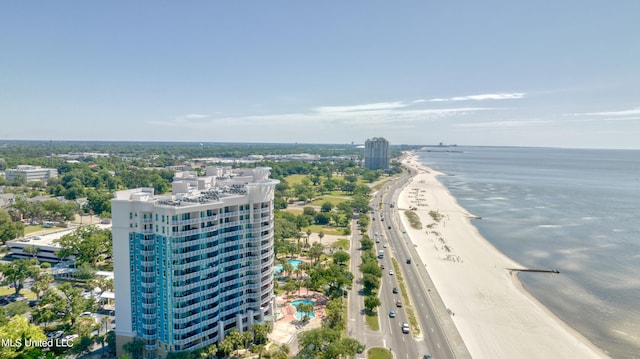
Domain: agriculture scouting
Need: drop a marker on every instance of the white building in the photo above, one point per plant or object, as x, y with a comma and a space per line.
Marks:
31, 173
192, 265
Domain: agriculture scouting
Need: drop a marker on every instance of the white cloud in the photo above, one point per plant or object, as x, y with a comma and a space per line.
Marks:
193, 116
631, 112
482, 97
371, 116
366, 107
503, 124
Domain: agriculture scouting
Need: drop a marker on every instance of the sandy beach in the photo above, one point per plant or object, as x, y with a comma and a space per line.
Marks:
495, 316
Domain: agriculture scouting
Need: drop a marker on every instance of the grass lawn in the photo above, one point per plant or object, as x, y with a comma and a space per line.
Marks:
296, 211
31, 229
408, 307
295, 179
327, 230
341, 243
372, 321
379, 184
335, 200
379, 353
24, 292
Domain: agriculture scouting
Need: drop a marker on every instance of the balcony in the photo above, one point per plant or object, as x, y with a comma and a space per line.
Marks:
184, 222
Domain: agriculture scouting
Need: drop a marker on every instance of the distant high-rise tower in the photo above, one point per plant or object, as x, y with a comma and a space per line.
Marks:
192, 265
376, 154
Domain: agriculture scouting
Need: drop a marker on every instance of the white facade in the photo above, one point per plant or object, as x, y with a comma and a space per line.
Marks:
31, 173
192, 265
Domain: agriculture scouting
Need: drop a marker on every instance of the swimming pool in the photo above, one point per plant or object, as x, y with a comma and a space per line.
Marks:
294, 263
299, 315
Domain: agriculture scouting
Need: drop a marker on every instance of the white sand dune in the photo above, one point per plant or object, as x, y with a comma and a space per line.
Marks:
495, 316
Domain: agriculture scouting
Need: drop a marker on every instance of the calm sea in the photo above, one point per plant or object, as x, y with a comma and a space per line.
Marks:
574, 210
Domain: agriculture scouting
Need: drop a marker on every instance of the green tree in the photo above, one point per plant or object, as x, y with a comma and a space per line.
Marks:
371, 302
82, 345
345, 347
316, 251
322, 218
341, 257
279, 351
314, 341
366, 244
87, 243
17, 308
326, 206
134, 347
16, 272
306, 309
370, 282
33, 250
260, 333
19, 329
110, 339
72, 303
84, 271
41, 283
8, 229
335, 313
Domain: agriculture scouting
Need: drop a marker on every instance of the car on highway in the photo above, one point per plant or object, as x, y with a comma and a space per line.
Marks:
405, 328
408, 260
390, 272
392, 314
382, 266
394, 290
384, 245
426, 356
398, 303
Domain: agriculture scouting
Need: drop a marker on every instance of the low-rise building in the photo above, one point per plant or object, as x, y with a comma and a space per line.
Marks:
31, 173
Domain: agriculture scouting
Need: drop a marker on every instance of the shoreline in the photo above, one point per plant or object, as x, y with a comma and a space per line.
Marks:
495, 316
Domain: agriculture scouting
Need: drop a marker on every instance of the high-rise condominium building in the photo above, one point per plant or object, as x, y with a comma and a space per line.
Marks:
192, 265
376, 154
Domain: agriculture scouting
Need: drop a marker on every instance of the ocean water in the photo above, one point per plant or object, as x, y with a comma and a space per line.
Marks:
575, 210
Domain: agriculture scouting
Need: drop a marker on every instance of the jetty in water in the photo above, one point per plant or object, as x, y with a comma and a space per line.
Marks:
534, 270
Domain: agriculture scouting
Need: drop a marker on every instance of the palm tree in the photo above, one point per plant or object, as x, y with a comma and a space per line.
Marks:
105, 321
287, 268
260, 349
321, 235
297, 236
279, 351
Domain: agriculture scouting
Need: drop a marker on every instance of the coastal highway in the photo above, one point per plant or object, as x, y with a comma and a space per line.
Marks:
437, 333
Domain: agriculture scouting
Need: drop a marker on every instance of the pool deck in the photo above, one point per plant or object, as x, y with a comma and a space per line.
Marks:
286, 327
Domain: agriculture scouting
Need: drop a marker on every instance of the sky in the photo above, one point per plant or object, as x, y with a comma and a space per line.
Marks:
504, 73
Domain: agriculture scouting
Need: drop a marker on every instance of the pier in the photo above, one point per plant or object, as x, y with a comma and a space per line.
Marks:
534, 270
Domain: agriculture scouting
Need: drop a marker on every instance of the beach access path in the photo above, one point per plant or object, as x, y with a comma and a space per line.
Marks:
494, 315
